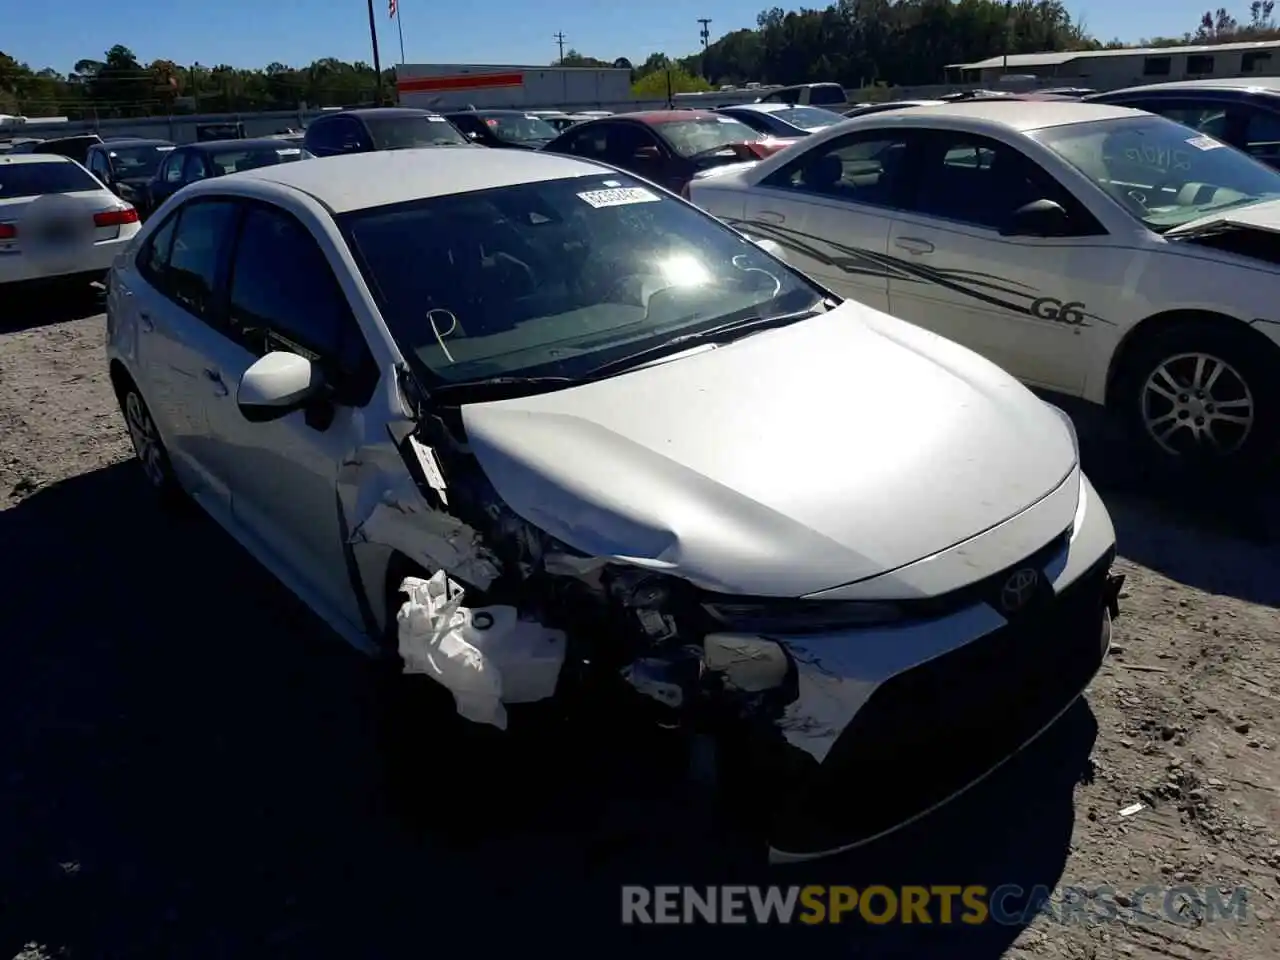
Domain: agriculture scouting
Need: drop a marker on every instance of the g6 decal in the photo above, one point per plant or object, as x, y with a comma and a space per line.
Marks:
1072, 312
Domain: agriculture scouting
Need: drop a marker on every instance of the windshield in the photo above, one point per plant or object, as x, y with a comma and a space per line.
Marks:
130, 162
233, 161
1163, 173
808, 118
559, 277
21, 180
519, 127
691, 137
826, 93
403, 133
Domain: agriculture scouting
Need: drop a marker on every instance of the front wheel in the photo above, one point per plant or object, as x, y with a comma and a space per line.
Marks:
1204, 397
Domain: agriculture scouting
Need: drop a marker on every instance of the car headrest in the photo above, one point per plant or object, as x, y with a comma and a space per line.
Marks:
824, 172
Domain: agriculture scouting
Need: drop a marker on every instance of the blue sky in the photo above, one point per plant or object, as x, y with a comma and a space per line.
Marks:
251, 33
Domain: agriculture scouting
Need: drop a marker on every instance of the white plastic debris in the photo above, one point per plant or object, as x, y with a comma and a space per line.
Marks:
1133, 808
486, 656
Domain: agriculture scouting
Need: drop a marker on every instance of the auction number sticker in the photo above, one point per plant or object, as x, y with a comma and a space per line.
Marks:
1204, 143
619, 197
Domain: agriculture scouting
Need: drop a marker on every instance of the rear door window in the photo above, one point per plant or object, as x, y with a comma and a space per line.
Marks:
21, 180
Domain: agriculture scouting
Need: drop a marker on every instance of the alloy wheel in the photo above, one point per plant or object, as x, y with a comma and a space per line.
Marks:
145, 438
1197, 404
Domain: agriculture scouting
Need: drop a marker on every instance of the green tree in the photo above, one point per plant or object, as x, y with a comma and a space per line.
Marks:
654, 86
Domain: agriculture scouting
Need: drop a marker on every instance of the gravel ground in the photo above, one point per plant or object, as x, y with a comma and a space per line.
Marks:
190, 763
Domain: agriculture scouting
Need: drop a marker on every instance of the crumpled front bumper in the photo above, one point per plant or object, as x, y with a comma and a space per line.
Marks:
890, 724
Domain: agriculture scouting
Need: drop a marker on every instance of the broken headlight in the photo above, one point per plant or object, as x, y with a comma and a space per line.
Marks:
781, 617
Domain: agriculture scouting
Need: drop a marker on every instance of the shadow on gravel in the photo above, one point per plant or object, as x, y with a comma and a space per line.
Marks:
1221, 540
191, 768
30, 307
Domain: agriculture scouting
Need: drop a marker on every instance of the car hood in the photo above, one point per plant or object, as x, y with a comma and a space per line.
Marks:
1263, 216
795, 460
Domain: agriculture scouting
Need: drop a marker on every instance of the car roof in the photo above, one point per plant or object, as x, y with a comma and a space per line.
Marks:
115, 142
381, 177
762, 107
665, 116
1018, 115
380, 112
242, 143
34, 158
1251, 84
490, 113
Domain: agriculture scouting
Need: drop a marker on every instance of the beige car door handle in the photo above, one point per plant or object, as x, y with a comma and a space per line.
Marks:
913, 245
771, 216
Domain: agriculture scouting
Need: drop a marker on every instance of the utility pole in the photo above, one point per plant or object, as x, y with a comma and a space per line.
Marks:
377, 61
559, 39
706, 41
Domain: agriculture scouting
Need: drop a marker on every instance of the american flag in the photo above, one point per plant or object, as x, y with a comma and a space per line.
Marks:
392, 6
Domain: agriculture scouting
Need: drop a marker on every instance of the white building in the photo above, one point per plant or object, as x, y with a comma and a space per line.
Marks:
1110, 69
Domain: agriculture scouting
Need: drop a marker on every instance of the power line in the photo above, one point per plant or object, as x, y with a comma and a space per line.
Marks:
559, 39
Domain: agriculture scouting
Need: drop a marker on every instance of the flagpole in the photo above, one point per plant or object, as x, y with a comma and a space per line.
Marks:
400, 28
377, 63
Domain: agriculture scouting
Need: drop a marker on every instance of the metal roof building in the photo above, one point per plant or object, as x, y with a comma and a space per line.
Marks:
1108, 69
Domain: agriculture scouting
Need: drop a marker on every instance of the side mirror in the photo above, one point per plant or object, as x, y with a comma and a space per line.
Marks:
1039, 218
647, 153
276, 385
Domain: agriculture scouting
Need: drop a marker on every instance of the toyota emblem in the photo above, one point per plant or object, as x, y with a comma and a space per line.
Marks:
1019, 589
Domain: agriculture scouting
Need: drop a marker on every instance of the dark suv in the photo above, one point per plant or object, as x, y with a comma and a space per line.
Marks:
1241, 111
379, 128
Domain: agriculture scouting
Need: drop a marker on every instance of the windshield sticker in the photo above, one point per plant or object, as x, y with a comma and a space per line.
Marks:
1204, 143
289, 152
612, 183
726, 120
437, 119
165, 149
619, 197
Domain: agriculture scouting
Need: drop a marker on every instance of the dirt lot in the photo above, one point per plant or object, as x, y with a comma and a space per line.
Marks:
189, 762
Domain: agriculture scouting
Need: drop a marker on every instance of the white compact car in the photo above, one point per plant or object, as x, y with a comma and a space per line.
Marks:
57, 221
1097, 251
549, 400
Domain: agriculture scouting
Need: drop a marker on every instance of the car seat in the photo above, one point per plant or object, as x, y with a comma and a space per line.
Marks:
823, 174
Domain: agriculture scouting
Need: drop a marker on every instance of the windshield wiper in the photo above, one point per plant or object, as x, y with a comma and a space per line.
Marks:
498, 388
722, 333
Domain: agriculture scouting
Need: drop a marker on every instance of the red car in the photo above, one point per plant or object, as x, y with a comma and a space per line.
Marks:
666, 147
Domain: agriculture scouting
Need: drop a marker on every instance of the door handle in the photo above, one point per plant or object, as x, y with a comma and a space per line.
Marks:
215, 378
771, 216
147, 323
913, 245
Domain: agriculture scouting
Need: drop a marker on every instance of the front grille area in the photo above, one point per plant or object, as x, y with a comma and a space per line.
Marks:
929, 732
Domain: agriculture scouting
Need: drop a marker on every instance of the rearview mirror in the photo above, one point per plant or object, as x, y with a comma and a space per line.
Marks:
1039, 218
276, 385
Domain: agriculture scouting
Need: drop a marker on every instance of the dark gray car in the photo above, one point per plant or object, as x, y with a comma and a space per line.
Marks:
379, 128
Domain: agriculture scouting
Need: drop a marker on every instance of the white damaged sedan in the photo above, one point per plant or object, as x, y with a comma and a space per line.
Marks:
599, 439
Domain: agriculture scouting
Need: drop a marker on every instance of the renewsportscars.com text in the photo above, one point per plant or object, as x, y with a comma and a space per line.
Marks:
972, 905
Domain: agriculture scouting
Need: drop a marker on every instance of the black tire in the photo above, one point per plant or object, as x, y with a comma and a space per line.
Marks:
148, 447
1156, 390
